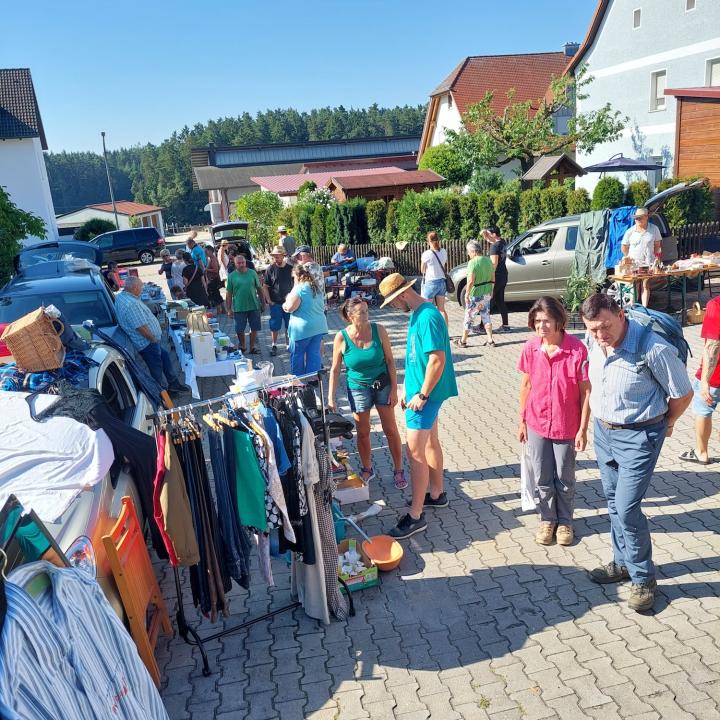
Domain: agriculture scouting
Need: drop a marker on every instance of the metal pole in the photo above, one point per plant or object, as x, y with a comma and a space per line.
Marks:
107, 170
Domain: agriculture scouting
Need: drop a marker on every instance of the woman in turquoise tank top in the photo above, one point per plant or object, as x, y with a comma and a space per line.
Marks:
371, 382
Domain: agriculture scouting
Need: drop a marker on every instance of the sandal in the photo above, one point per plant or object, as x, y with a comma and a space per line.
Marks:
367, 474
400, 480
459, 343
490, 343
691, 456
254, 351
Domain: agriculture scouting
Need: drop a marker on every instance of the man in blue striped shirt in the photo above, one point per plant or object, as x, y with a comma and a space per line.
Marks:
640, 387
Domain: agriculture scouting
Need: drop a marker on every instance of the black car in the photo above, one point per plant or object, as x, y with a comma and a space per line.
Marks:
142, 244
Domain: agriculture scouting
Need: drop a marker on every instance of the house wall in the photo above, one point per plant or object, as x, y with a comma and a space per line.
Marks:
447, 118
23, 174
622, 60
698, 143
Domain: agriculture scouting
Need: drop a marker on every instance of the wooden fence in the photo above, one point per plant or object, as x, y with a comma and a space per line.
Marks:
694, 238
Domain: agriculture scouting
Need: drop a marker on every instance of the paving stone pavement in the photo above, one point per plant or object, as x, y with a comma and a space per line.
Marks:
479, 621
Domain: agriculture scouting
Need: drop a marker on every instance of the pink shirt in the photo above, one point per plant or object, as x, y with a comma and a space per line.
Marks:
553, 406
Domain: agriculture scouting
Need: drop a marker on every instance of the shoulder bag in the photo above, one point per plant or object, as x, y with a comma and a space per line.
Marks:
449, 284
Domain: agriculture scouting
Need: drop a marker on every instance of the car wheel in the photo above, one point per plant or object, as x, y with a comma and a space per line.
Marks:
146, 257
461, 294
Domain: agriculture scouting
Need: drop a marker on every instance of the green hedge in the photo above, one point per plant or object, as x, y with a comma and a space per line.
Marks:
507, 211
376, 212
638, 193
691, 207
608, 193
531, 213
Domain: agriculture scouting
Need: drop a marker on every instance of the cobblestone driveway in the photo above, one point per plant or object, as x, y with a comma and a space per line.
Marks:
479, 621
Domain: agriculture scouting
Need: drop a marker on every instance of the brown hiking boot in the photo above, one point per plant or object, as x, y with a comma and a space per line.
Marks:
565, 535
642, 596
545, 533
610, 573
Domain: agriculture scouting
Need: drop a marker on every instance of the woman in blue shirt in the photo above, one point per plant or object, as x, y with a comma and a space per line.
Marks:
308, 324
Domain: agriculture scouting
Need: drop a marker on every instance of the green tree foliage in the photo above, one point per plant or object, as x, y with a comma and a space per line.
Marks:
376, 212
487, 214
470, 225
453, 217
331, 225
578, 201
303, 227
419, 213
261, 210
162, 174
15, 226
307, 186
553, 201
92, 227
484, 179
446, 162
692, 206
638, 193
526, 130
318, 223
391, 221
351, 222
507, 209
531, 213
608, 193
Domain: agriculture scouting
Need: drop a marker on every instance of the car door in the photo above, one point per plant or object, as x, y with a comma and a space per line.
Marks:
105, 243
530, 266
564, 247
126, 242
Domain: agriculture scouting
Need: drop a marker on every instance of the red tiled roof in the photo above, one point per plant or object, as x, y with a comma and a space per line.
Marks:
290, 184
411, 177
126, 207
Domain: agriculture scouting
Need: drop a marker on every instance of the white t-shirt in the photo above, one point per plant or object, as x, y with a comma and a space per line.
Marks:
642, 244
433, 268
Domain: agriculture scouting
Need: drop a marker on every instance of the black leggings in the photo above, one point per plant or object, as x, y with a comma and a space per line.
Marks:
498, 298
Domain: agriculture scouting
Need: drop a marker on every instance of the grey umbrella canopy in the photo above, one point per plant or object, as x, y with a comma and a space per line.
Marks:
619, 163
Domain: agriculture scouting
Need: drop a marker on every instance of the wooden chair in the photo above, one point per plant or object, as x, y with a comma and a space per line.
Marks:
134, 575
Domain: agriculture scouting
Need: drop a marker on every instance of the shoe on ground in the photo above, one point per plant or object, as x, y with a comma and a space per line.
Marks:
545, 533
273, 350
440, 501
502, 329
610, 573
642, 596
408, 526
565, 535
178, 387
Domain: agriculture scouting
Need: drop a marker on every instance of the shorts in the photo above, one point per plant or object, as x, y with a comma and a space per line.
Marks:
242, 319
277, 317
699, 407
365, 398
425, 419
433, 288
477, 306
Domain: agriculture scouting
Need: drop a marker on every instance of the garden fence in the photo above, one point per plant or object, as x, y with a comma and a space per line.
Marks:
697, 237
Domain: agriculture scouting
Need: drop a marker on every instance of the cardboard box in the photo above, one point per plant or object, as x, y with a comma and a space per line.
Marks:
369, 576
352, 489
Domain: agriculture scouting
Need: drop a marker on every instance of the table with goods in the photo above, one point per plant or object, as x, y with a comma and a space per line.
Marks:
357, 277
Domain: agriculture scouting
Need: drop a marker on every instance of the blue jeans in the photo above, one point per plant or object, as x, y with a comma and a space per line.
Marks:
626, 459
305, 355
157, 359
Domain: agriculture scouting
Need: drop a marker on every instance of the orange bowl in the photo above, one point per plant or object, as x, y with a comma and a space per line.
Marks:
384, 551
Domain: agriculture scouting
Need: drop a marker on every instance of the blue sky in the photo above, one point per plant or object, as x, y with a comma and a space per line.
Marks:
140, 70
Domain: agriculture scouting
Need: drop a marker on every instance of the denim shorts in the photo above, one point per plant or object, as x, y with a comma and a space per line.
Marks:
425, 418
242, 319
433, 288
699, 407
365, 398
277, 317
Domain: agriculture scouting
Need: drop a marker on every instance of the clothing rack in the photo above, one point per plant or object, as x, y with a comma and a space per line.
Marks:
188, 633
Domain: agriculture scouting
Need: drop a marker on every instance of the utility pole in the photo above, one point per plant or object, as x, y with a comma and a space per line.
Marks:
107, 170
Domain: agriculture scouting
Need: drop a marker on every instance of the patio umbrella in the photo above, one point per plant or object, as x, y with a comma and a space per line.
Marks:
619, 163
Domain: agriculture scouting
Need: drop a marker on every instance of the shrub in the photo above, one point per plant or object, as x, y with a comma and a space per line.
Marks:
261, 210
287, 217
578, 201
530, 208
485, 179
446, 162
507, 209
303, 229
391, 221
331, 232
307, 186
376, 212
692, 206
638, 193
608, 193
351, 222
553, 201
418, 213
486, 208
317, 225
453, 218
15, 226
93, 227
470, 224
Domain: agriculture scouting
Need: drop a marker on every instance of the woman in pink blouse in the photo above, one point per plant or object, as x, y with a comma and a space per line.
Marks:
554, 415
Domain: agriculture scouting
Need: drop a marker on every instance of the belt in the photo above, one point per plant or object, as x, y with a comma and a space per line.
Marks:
632, 426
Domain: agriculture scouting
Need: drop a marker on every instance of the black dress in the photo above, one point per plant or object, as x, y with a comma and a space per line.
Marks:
195, 290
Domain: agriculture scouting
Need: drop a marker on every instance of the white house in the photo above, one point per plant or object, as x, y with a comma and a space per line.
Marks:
146, 216
22, 141
635, 49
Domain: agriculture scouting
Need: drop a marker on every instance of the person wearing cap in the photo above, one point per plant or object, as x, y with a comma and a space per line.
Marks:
643, 243
303, 255
429, 381
287, 241
278, 283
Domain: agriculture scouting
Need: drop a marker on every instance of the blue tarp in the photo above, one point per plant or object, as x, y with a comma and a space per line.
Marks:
621, 219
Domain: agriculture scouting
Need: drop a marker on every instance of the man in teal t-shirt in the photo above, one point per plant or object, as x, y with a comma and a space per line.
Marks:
429, 381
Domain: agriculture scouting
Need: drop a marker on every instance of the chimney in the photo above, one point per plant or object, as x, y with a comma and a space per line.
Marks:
570, 48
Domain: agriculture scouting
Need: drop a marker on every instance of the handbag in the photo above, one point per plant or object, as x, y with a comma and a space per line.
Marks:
449, 284
528, 484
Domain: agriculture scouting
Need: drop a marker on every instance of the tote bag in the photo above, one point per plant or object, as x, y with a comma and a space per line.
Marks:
528, 484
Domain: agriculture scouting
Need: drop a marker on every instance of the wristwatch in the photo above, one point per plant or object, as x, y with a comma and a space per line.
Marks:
422, 396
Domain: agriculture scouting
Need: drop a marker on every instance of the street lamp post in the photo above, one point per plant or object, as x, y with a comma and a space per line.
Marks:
107, 170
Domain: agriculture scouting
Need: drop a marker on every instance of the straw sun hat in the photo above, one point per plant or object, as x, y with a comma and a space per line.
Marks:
278, 250
392, 286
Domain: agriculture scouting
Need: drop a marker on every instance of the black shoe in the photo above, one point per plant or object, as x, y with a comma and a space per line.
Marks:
440, 501
273, 350
408, 526
610, 573
177, 387
642, 596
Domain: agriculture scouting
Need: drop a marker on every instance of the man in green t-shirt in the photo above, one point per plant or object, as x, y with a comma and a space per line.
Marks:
429, 381
246, 298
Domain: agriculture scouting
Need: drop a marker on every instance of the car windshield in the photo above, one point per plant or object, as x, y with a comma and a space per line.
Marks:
31, 257
76, 306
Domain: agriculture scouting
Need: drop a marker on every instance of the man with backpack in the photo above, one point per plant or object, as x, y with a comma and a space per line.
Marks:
640, 388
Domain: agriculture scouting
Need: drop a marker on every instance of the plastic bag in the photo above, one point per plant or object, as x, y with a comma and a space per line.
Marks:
528, 484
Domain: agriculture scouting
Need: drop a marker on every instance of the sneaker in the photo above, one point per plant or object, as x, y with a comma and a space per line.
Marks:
273, 350
565, 535
610, 573
545, 533
440, 501
408, 526
502, 329
642, 596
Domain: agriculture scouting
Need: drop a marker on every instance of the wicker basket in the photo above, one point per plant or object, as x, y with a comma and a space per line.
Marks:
695, 315
34, 342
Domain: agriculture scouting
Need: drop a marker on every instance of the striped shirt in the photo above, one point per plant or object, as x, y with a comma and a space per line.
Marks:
66, 655
634, 381
133, 313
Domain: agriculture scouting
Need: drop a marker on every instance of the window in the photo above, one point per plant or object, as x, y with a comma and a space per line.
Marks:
658, 83
571, 233
712, 73
689, 5
449, 100
636, 19
536, 243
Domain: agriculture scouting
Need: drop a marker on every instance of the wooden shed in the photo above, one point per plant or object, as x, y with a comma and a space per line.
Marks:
389, 186
553, 167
